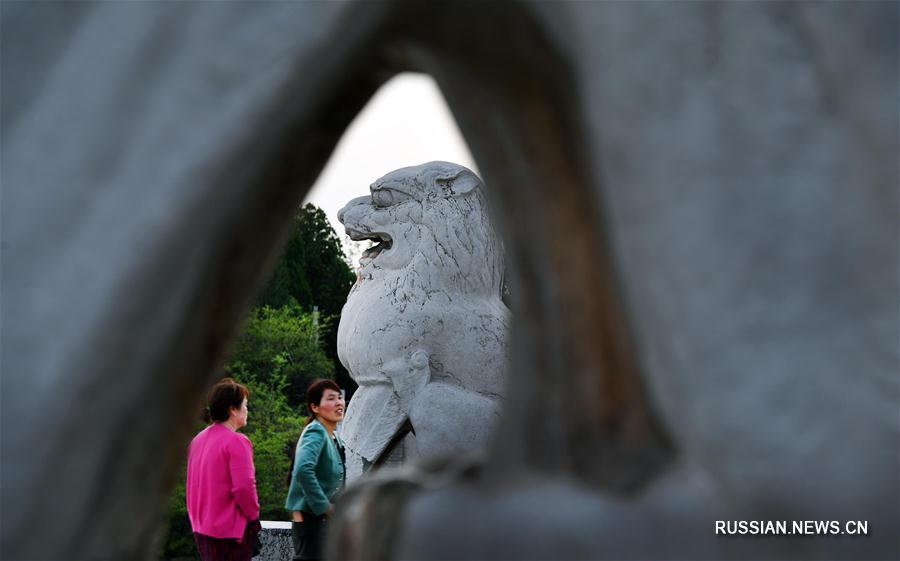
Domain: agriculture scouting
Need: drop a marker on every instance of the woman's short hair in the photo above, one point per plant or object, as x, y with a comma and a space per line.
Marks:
222, 397
315, 391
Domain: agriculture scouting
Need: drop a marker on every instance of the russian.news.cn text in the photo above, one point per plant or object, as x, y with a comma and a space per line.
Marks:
792, 528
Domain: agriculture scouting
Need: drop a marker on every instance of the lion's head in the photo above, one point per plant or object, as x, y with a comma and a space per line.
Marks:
430, 218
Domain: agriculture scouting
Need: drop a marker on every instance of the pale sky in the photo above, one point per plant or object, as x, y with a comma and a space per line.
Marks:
406, 123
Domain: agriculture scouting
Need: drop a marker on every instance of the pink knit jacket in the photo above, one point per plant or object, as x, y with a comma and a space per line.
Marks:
221, 483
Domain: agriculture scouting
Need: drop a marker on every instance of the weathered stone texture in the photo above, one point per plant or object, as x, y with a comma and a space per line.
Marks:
275, 538
424, 329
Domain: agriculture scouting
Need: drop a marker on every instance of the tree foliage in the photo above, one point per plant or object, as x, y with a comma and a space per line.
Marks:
284, 341
314, 272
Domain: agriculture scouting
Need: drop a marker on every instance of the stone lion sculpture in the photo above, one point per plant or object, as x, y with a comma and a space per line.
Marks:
424, 330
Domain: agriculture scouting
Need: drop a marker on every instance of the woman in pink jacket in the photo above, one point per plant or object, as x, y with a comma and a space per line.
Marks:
221, 480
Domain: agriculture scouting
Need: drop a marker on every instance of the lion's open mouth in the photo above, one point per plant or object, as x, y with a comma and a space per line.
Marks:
376, 249
384, 243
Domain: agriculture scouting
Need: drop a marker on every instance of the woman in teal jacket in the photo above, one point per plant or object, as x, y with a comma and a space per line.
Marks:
318, 471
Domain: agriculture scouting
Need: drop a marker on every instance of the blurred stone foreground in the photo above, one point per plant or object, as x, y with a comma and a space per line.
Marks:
699, 206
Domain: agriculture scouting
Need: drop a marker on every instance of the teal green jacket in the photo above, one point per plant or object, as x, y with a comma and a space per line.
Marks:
318, 471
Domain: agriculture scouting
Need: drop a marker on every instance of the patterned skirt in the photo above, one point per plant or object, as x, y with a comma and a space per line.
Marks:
228, 549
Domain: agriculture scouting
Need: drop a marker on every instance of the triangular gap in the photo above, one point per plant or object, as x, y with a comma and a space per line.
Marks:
407, 122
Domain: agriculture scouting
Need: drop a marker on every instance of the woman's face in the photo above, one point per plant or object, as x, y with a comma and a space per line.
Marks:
239, 416
331, 407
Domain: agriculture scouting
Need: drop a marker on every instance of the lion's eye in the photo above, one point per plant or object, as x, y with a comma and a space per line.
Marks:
387, 197
383, 197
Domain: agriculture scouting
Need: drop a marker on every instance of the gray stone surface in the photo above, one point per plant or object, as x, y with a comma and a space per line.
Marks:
275, 538
424, 331
699, 209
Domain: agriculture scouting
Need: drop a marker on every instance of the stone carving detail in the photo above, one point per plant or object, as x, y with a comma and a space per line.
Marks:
424, 330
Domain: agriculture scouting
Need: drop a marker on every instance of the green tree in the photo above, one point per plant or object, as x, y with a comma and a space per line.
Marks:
284, 341
314, 272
